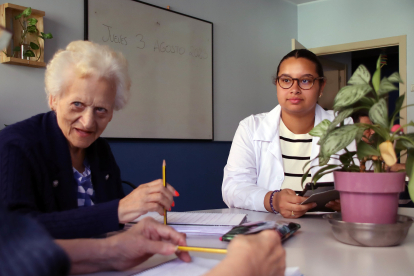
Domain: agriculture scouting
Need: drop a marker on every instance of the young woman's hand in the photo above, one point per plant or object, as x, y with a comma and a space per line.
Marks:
334, 205
287, 203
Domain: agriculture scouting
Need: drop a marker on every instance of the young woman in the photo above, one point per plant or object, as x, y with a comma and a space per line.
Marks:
269, 150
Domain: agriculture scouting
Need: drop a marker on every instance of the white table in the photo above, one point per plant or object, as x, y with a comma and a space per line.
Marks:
315, 250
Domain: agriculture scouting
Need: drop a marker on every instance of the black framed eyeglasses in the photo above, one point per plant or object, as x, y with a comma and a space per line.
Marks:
305, 82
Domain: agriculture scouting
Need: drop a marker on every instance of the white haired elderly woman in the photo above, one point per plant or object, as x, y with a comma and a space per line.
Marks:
55, 167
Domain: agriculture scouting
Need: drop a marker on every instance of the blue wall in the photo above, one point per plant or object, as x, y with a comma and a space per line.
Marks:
194, 168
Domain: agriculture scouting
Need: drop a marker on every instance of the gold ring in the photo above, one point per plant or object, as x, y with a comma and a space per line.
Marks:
292, 215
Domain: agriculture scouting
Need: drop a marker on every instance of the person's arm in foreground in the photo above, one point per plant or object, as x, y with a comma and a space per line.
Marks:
260, 254
124, 250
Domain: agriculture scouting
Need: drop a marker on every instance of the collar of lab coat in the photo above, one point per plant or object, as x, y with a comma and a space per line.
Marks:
269, 130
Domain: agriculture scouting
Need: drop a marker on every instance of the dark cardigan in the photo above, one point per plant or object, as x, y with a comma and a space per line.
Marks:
27, 249
36, 178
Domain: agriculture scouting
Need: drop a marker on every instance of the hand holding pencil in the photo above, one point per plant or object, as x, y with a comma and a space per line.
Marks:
149, 197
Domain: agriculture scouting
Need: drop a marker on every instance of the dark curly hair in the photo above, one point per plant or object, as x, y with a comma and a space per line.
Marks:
303, 53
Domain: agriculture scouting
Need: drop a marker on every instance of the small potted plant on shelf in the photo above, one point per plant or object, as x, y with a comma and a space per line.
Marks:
369, 194
28, 25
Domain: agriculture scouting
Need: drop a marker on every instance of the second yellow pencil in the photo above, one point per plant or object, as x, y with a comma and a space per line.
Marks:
202, 249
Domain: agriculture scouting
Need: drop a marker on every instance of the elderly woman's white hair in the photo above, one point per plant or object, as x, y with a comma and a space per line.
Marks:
85, 59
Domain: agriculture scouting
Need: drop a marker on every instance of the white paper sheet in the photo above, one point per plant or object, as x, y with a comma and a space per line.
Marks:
198, 266
186, 218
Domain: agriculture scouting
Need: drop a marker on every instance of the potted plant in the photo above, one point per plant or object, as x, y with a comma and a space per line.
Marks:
366, 196
29, 39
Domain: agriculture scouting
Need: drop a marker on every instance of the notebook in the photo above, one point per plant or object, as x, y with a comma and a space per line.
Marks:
199, 223
198, 266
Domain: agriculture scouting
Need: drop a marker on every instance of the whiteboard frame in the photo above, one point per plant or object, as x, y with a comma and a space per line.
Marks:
86, 37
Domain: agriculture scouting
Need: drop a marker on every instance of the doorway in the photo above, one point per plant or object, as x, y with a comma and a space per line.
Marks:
398, 41
367, 57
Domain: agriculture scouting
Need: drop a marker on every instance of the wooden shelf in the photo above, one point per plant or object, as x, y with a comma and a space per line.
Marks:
7, 13
23, 62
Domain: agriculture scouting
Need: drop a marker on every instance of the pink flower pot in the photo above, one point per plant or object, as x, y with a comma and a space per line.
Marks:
369, 197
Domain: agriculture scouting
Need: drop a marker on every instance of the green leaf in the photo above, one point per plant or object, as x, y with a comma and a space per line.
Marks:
305, 175
340, 118
379, 62
32, 29
367, 101
320, 129
395, 77
17, 49
398, 104
338, 139
350, 94
353, 168
360, 76
376, 79
384, 133
359, 134
379, 113
31, 21
18, 16
34, 46
386, 86
27, 12
404, 142
410, 172
347, 158
365, 150
409, 164
323, 160
321, 172
46, 36
29, 53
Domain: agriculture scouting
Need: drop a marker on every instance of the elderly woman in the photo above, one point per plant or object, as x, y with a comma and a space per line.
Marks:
55, 167
269, 150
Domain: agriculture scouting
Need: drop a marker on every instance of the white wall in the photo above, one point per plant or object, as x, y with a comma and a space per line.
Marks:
250, 37
22, 88
334, 22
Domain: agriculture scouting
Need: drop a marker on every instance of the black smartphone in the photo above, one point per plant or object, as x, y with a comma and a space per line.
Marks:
284, 228
311, 188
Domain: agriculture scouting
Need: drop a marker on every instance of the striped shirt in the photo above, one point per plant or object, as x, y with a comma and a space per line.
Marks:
296, 151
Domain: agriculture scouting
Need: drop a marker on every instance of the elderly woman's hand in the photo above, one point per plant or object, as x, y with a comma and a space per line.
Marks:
143, 240
149, 197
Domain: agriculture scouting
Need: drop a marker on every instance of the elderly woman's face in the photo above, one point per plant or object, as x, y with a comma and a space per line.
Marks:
84, 110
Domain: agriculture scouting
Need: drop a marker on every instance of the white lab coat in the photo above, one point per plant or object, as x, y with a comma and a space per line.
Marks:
255, 164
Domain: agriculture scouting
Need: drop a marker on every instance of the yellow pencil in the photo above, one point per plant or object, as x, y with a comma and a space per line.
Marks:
202, 249
164, 182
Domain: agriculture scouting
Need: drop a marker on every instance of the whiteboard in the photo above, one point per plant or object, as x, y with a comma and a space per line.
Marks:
170, 58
